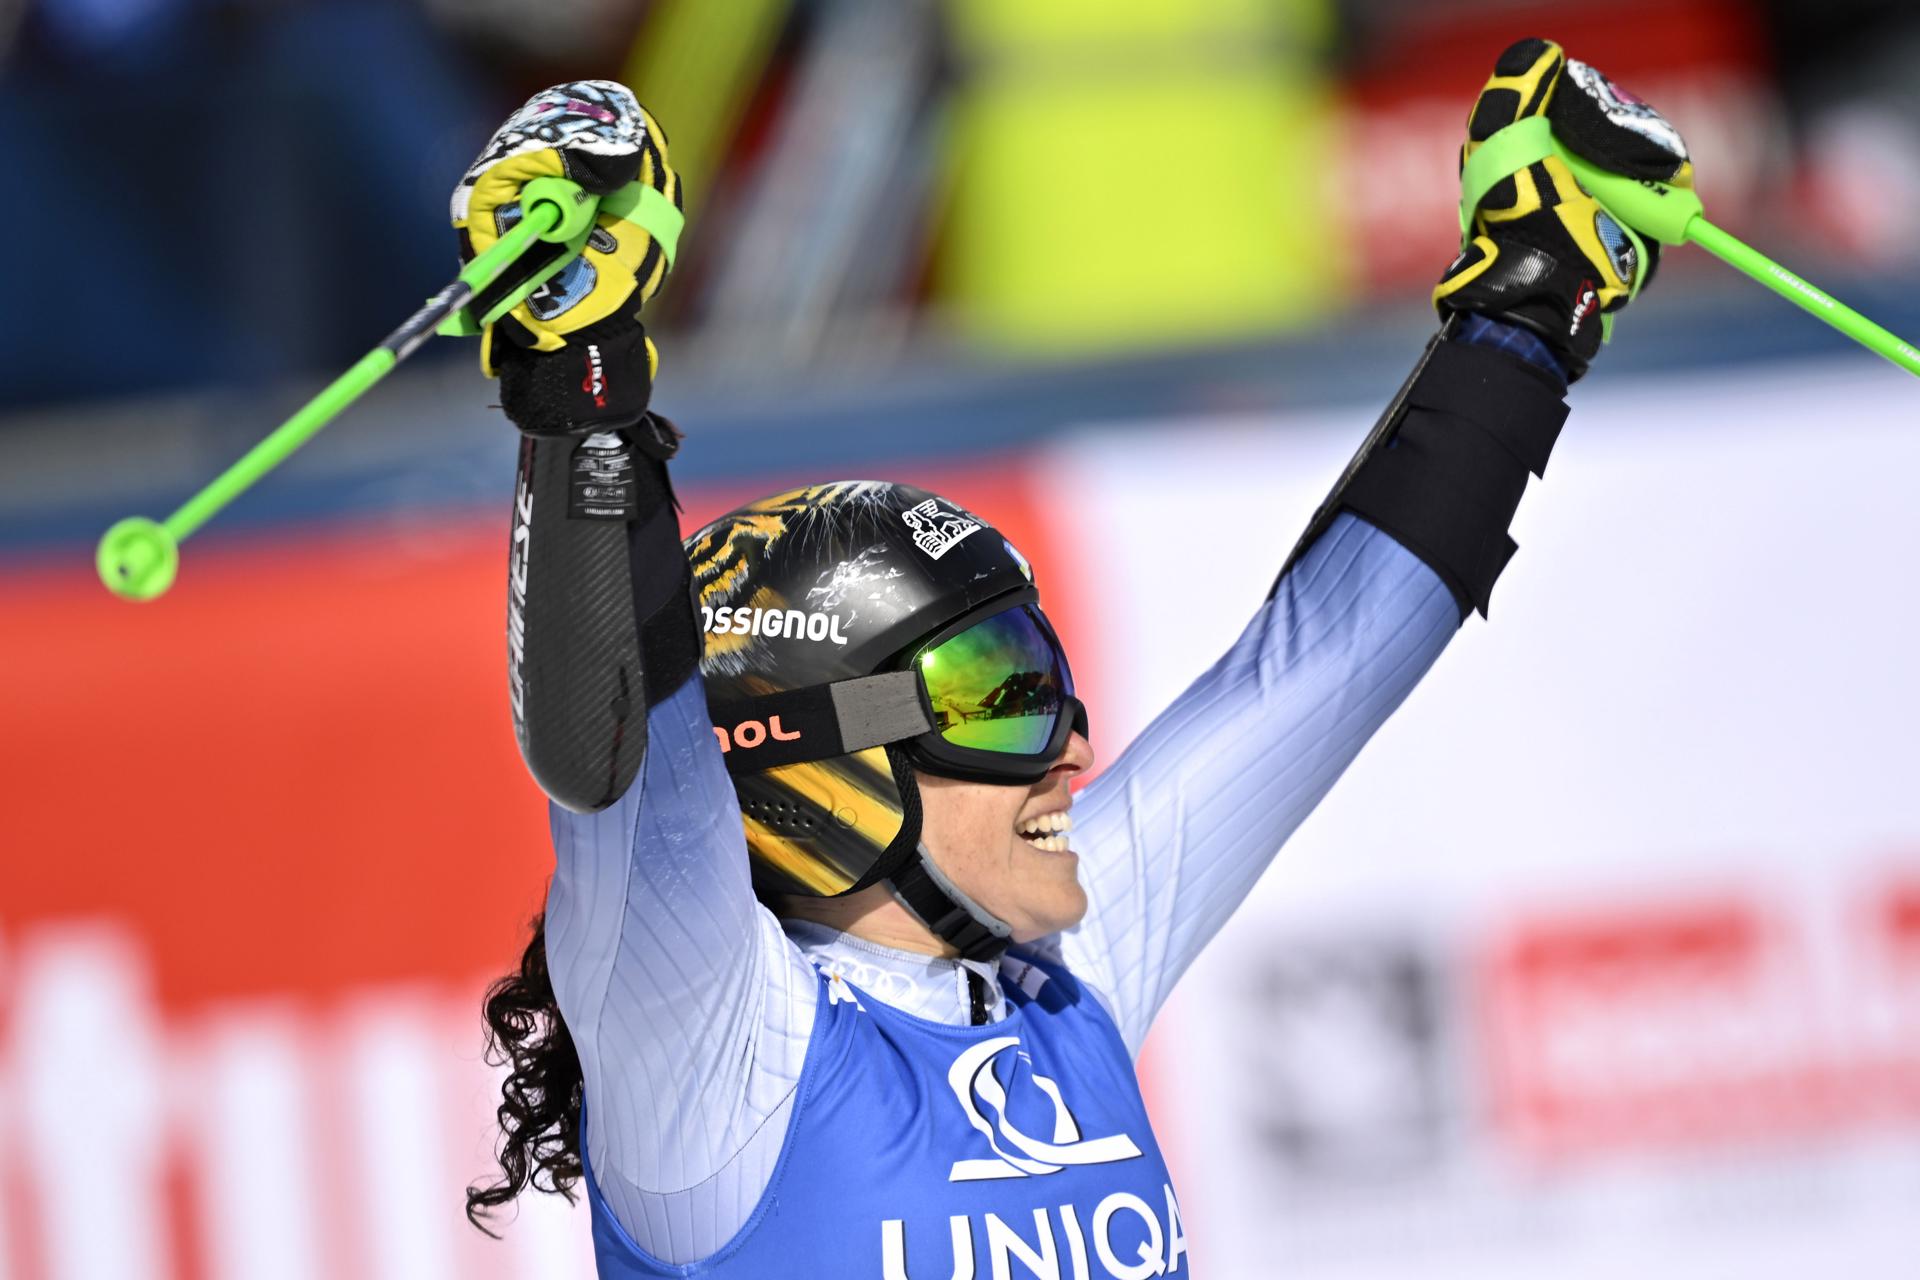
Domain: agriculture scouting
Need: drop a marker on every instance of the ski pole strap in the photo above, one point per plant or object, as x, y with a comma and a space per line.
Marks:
649, 209
1506, 153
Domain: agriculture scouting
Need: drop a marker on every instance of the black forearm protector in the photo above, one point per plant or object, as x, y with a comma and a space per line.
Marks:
600, 622
1444, 469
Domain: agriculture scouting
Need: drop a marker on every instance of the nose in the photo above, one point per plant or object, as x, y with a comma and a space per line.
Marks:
1076, 758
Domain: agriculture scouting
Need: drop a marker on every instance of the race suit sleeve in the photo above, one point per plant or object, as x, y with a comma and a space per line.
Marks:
1173, 836
689, 1009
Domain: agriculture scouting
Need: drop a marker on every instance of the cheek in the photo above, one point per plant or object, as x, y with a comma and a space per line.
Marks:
971, 826
989, 827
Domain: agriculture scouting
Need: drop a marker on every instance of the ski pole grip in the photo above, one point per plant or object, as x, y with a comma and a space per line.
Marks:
573, 209
551, 209
1651, 208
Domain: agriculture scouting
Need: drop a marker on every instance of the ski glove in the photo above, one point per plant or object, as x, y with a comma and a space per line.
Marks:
595, 133
1542, 253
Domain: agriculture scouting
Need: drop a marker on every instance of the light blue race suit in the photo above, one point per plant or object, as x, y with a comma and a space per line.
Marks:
766, 1099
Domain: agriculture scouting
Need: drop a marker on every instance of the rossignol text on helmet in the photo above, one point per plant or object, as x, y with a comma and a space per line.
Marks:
856, 631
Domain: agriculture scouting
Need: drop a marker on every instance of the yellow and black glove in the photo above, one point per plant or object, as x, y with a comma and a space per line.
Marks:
1542, 252
594, 133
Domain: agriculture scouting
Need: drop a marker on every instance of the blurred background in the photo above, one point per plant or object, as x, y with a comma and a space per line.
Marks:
1603, 960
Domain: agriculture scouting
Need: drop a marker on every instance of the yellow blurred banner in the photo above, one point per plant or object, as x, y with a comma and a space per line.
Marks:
1136, 172
694, 65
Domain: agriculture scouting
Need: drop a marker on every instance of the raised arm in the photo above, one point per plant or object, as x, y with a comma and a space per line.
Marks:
1174, 834
686, 1006
1409, 542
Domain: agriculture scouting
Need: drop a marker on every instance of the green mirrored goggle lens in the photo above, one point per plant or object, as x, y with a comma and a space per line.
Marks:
998, 685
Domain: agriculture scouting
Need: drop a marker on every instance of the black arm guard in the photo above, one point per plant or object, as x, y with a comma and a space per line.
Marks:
1445, 467
599, 625
599, 607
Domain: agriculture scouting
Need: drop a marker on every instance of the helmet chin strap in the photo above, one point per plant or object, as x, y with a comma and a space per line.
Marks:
956, 919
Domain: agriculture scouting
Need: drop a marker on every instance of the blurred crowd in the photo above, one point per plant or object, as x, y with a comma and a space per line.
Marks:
236, 192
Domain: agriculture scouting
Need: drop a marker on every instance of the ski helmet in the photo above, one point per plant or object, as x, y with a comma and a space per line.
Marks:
827, 611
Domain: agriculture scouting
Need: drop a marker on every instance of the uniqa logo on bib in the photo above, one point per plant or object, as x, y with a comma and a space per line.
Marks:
1017, 1154
1125, 1236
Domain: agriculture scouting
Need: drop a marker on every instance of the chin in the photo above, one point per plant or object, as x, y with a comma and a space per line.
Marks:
1059, 907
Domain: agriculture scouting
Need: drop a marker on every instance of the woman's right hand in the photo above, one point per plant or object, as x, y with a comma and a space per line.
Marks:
594, 133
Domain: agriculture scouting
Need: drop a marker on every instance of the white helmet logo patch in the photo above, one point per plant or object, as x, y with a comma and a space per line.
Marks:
937, 526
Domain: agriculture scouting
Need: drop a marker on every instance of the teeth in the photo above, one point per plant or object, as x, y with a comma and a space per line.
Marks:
1048, 831
1046, 822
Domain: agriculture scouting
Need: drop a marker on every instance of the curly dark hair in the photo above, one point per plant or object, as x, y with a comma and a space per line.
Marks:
540, 1099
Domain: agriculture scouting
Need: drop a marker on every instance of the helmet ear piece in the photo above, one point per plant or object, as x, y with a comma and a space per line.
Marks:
817, 828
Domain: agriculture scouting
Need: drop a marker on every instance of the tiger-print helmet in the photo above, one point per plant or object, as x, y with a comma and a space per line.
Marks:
825, 584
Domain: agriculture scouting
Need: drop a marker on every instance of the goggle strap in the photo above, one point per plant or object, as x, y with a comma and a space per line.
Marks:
820, 721
875, 710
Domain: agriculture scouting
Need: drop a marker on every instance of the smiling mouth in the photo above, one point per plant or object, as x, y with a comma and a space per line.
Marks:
1048, 832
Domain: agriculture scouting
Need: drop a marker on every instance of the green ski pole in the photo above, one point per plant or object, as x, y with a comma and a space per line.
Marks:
1801, 293
138, 557
1671, 215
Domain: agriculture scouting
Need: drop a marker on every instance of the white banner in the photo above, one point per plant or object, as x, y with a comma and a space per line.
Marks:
1604, 959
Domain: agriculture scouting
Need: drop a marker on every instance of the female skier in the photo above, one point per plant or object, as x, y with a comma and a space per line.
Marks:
836, 976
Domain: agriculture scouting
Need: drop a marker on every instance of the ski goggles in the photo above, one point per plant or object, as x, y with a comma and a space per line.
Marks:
1001, 694
987, 698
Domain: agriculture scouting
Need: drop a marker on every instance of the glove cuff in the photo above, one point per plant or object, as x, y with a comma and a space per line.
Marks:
1530, 287
602, 380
